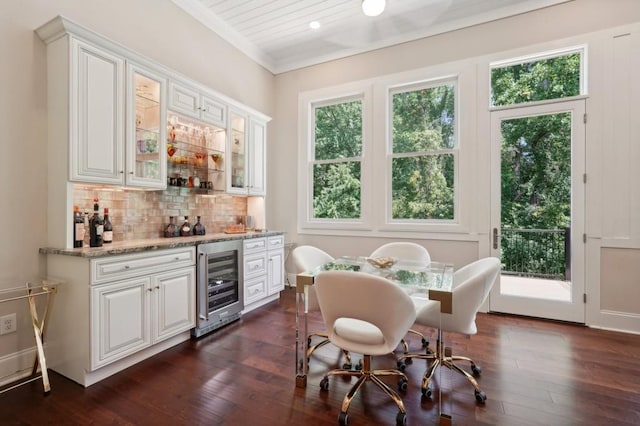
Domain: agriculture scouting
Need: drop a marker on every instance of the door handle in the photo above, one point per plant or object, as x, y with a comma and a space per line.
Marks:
495, 238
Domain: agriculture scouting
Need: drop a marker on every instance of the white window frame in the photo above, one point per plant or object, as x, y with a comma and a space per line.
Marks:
306, 158
390, 155
539, 56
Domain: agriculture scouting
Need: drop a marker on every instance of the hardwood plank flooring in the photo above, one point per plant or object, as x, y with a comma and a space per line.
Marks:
534, 372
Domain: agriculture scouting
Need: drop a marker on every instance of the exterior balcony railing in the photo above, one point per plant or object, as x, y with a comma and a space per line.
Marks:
541, 253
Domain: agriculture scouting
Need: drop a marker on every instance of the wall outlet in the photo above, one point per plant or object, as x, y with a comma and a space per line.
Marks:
8, 324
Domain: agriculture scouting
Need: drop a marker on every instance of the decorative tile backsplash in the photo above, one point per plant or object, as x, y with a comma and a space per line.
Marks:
139, 215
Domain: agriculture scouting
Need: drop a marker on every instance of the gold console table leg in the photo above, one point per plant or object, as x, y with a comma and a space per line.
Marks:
38, 331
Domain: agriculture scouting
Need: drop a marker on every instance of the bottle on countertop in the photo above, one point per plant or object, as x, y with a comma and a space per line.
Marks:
198, 228
185, 229
86, 227
96, 226
172, 229
78, 227
107, 233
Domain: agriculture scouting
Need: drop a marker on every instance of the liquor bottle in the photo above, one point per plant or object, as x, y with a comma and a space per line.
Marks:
185, 229
107, 234
171, 230
86, 227
78, 227
96, 226
198, 228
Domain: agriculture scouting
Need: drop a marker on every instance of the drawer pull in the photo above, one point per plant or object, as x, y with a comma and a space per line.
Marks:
126, 266
149, 290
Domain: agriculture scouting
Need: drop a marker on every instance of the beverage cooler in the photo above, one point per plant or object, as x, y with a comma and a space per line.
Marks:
219, 285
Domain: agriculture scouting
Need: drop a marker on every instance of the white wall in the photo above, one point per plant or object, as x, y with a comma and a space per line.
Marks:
578, 21
155, 28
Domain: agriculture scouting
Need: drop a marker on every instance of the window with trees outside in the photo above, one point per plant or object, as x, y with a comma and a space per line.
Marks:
423, 152
337, 159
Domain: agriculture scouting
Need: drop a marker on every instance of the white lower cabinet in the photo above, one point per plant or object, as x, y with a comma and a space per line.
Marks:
130, 315
116, 311
263, 270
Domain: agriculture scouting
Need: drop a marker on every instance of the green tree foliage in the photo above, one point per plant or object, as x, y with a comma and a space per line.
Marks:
336, 182
422, 180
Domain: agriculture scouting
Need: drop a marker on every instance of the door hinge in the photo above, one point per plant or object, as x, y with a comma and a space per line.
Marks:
584, 178
584, 238
584, 118
584, 297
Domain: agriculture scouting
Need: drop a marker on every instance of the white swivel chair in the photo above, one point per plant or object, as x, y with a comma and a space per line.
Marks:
307, 258
471, 286
407, 251
365, 314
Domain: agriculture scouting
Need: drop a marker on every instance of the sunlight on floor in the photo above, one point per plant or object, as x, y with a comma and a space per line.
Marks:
535, 287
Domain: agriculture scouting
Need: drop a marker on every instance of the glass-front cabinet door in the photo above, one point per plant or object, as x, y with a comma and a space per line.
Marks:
237, 181
146, 129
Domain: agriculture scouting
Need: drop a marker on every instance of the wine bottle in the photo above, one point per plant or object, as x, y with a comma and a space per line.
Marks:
198, 228
107, 234
171, 230
78, 227
96, 226
185, 229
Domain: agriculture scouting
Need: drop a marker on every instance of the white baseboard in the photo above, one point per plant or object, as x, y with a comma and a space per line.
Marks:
17, 365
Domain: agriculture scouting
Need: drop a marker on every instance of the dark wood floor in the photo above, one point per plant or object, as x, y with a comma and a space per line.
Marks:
534, 372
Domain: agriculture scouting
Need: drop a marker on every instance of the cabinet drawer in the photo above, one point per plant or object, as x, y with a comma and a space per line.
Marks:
255, 289
131, 265
253, 245
255, 264
275, 242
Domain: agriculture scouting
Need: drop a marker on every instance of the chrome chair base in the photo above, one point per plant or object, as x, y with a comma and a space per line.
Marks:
364, 375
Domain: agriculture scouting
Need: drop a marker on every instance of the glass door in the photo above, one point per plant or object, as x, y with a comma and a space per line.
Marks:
146, 153
537, 210
237, 150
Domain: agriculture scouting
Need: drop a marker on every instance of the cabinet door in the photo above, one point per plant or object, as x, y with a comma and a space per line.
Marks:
275, 271
257, 158
146, 128
213, 111
97, 111
119, 320
184, 100
175, 302
236, 154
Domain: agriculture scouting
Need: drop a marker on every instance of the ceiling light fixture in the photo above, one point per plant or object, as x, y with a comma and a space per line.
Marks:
314, 25
373, 7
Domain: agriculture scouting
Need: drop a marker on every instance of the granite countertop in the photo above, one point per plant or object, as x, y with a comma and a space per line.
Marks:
137, 246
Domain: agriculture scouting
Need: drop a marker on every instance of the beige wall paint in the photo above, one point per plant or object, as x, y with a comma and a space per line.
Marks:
156, 29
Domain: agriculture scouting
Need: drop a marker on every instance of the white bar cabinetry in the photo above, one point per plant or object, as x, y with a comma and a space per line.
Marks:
263, 270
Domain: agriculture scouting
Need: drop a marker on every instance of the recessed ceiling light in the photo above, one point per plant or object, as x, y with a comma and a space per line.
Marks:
373, 7
314, 25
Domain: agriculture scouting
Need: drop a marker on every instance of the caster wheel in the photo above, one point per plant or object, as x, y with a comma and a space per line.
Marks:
401, 365
308, 342
403, 384
476, 370
401, 419
481, 397
324, 384
343, 419
359, 366
427, 392
346, 366
425, 342
408, 361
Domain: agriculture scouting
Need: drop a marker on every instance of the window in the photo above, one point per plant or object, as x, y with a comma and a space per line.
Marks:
423, 152
337, 159
551, 76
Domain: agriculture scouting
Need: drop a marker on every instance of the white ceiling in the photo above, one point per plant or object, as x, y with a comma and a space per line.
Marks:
276, 33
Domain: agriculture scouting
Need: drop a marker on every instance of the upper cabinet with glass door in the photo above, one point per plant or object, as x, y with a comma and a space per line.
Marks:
146, 129
247, 143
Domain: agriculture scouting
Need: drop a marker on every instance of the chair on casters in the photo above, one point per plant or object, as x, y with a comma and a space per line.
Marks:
471, 286
406, 251
307, 258
365, 314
